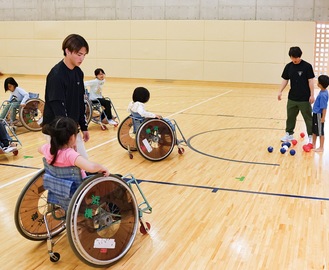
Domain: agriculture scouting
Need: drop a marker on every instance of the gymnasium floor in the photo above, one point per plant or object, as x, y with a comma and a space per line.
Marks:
226, 203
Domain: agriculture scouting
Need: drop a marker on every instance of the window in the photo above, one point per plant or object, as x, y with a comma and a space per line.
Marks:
321, 49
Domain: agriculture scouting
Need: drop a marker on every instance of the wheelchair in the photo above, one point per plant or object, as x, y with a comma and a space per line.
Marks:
30, 116
12, 137
153, 138
95, 112
101, 218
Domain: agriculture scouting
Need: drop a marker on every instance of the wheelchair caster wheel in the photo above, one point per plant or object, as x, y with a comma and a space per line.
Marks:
15, 153
55, 257
181, 151
143, 230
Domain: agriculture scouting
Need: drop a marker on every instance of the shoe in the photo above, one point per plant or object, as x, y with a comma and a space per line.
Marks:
287, 138
112, 122
9, 149
310, 139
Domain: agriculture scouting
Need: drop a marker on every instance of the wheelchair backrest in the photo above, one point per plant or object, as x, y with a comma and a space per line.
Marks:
61, 183
137, 120
33, 95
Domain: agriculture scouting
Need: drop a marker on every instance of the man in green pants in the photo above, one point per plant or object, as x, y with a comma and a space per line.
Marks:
301, 93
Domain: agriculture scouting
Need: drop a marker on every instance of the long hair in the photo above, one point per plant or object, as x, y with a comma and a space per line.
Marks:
60, 130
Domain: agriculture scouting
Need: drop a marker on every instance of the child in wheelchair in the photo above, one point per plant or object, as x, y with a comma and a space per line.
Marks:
95, 95
6, 143
60, 152
136, 107
17, 98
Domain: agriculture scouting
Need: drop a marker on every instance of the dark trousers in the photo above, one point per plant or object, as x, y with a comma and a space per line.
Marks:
293, 108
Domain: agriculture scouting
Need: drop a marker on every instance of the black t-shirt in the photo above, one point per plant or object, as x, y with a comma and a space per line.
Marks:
64, 95
298, 75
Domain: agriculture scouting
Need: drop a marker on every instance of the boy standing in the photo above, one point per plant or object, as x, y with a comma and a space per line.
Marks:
319, 112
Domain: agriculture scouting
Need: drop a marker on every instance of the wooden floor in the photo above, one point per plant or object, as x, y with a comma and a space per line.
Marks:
227, 203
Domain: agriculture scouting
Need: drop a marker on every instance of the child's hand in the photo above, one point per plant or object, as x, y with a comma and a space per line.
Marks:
105, 171
158, 116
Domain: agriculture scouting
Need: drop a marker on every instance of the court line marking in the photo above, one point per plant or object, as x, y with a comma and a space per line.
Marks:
114, 139
197, 104
228, 159
215, 189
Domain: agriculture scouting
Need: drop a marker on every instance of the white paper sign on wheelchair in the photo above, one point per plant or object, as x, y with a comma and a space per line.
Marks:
104, 243
147, 145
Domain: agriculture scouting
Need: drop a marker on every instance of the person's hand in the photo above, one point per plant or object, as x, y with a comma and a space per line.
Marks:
22, 105
158, 116
105, 171
85, 136
279, 95
311, 99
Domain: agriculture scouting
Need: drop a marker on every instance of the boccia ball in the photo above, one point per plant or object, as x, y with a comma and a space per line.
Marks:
270, 149
306, 148
283, 144
288, 144
285, 147
292, 152
294, 142
302, 134
283, 150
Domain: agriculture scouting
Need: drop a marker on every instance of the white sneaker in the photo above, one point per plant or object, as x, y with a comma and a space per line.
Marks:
112, 122
310, 139
287, 137
9, 149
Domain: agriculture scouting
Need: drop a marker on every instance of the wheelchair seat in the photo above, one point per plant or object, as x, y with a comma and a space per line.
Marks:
61, 183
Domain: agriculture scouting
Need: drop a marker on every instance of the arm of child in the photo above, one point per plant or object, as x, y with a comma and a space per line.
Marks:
324, 112
90, 166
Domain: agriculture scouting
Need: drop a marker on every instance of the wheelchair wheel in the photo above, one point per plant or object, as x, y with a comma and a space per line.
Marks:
102, 220
155, 139
126, 135
31, 115
96, 113
88, 110
30, 209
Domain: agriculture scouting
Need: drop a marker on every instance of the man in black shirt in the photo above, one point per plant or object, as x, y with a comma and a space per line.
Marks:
301, 93
64, 95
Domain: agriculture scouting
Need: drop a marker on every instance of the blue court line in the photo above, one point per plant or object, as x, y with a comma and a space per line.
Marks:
215, 189
19, 166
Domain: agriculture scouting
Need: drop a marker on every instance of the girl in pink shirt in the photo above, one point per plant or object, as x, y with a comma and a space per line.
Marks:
61, 152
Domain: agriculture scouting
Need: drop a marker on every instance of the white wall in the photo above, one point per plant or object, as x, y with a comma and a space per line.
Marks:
210, 50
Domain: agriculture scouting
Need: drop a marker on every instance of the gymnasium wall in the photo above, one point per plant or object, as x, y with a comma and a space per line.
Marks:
209, 50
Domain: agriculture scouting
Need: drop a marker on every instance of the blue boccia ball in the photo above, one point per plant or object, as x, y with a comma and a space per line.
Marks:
288, 144
283, 150
270, 149
292, 152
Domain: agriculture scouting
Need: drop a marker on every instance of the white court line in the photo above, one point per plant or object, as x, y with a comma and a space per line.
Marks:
114, 139
19, 179
200, 103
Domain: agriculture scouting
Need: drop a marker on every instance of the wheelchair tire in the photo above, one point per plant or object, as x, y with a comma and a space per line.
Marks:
155, 139
126, 135
30, 209
102, 220
32, 113
88, 110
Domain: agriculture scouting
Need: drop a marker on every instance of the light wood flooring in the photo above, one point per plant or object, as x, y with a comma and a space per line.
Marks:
226, 203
